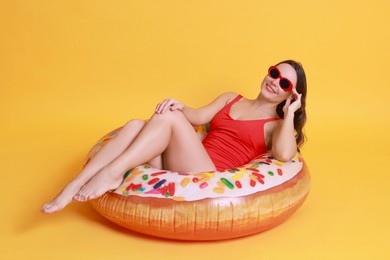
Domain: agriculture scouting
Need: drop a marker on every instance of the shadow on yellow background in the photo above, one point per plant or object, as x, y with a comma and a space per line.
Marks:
70, 71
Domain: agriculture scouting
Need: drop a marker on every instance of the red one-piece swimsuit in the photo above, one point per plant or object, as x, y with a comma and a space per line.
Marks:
232, 143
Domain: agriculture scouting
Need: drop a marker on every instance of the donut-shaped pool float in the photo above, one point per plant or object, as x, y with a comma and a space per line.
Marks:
207, 205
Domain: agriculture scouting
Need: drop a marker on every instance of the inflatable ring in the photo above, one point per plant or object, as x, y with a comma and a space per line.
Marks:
208, 205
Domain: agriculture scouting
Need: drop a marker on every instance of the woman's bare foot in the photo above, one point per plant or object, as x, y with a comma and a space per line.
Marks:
62, 199
105, 180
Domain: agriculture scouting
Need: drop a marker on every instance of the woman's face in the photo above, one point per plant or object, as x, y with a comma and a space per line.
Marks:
270, 87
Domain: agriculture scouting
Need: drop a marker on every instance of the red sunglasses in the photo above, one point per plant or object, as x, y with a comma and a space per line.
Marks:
284, 83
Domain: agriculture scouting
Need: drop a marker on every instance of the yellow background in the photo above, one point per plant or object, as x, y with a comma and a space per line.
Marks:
70, 71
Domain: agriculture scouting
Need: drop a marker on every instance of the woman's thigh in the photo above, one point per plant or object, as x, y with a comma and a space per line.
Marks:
185, 152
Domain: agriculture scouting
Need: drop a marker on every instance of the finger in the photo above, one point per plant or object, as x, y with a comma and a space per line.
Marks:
296, 94
160, 106
298, 98
157, 110
288, 100
167, 105
298, 102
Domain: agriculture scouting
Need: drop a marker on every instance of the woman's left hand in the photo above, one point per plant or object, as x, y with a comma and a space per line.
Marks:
293, 103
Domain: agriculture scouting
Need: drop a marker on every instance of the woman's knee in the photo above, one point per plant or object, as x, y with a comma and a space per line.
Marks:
169, 115
134, 125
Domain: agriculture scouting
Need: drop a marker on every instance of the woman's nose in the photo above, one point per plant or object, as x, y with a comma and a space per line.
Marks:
274, 82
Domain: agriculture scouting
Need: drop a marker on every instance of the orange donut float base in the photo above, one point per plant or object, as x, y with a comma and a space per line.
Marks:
208, 218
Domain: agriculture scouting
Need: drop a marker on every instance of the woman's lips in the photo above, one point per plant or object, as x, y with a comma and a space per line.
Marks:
270, 89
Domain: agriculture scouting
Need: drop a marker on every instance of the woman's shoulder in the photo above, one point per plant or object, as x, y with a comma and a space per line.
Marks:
229, 96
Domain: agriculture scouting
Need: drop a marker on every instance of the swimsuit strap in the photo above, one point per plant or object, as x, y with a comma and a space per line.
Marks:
271, 119
234, 100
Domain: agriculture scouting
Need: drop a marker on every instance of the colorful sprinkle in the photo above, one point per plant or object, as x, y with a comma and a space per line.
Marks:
153, 181
280, 172
237, 176
145, 177
218, 190
171, 188
258, 175
227, 183
158, 173
129, 187
271, 173
184, 182
252, 183
136, 187
209, 174
153, 192
253, 170
203, 185
238, 184
195, 180
252, 177
163, 190
127, 173
184, 174
279, 163
220, 184
158, 184
264, 163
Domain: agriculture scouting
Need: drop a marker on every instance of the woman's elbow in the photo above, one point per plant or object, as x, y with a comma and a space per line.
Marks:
283, 156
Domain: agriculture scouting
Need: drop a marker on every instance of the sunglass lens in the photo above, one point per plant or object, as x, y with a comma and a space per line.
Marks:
274, 73
284, 84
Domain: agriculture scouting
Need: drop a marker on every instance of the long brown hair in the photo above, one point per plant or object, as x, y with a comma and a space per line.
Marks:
300, 114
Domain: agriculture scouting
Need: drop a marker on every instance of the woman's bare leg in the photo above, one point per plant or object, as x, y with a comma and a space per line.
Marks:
107, 154
170, 132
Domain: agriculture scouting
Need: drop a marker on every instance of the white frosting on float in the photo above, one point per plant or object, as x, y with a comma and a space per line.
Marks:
258, 175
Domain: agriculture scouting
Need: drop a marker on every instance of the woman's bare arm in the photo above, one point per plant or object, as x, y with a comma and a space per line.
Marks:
199, 116
284, 145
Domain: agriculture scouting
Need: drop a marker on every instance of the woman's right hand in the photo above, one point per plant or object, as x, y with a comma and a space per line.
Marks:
170, 104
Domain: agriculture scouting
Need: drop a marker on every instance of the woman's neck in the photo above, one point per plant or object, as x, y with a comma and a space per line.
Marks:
260, 103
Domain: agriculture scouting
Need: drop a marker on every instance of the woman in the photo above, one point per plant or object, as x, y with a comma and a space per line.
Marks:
240, 130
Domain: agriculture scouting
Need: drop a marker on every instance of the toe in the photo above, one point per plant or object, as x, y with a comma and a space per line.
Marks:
83, 198
76, 197
45, 208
